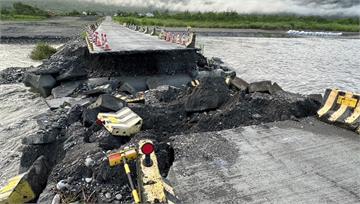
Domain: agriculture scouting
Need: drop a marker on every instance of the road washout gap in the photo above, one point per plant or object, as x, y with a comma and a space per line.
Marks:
76, 147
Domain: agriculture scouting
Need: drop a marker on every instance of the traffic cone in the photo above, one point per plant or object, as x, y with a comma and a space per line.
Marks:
105, 40
102, 39
98, 42
95, 38
107, 47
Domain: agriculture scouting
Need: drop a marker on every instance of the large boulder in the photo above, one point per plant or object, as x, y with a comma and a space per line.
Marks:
65, 89
210, 94
261, 86
239, 84
37, 175
108, 103
42, 84
73, 73
264, 87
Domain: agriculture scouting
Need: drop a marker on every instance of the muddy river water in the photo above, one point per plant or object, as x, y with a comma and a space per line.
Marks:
304, 65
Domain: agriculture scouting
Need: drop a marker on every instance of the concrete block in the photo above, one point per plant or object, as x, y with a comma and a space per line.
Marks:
58, 102
239, 83
275, 88
104, 89
72, 73
127, 88
65, 89
40, 83
107, 103
261, 86
89, 116
41, 138
210, 94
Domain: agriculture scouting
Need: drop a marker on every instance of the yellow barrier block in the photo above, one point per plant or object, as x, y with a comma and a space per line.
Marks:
354, 116
351, 102
195, 83
18, 190
138, 99
342, 108
149, 179
329, 103
122, 123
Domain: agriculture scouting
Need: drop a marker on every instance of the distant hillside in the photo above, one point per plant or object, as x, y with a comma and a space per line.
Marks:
65, 5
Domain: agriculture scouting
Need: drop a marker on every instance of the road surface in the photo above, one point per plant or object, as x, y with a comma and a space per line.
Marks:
285, 162
125, 40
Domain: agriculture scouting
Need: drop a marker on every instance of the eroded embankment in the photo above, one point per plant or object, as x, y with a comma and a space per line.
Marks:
76, 147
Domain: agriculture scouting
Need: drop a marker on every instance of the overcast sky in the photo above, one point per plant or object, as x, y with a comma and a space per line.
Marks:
318, 7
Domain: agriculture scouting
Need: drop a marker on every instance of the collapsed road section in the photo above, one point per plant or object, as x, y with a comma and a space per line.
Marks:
103, 105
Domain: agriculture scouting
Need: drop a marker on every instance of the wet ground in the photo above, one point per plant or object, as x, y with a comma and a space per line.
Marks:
304, 161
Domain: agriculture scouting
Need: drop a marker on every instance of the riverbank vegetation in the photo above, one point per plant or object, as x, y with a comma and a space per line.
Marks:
42, 51
22, 11
243, 21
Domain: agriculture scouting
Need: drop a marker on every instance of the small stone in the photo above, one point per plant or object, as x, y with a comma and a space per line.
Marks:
118, 196
89, 162
56, 199
107, 195
88, 180
62, 185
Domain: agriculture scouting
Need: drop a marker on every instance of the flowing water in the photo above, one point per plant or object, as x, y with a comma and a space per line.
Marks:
304, 65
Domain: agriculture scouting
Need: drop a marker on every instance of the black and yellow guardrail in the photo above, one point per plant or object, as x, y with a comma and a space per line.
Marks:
137, 99
341, 107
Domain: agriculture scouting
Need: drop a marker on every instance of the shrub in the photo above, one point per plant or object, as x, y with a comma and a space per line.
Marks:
24, 9
42, 51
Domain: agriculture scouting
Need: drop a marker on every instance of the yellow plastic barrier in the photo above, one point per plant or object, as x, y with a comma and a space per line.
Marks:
127, 99
122, 123
341, 107
18, 190
195, 83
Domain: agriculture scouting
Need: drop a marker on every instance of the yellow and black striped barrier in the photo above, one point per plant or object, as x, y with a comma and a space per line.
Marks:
195, 83
341, 107
138, 99
18, 190
125, 122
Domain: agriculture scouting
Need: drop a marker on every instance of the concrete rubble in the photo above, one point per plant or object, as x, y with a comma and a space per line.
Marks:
75, 146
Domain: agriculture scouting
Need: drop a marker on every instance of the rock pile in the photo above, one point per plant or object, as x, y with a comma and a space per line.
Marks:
75, 146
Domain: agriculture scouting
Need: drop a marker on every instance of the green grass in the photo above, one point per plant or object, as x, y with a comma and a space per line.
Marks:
16, 17
42, 51
234, 20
